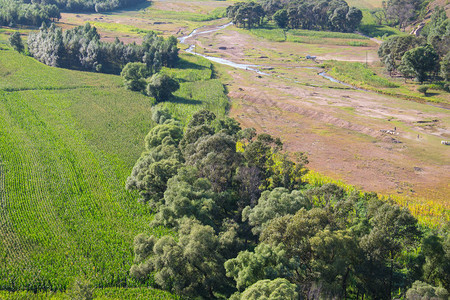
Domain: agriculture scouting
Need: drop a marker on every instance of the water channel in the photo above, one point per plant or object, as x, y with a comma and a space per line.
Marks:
249, 67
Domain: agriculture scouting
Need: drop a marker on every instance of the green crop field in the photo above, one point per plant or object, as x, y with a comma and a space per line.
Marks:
68, 141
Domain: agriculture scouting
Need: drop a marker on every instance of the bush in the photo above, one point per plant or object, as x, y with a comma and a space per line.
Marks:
423, 89
161, 87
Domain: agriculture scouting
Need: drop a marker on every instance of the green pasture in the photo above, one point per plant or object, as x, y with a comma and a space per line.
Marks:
310, 36
374, 79
68, 141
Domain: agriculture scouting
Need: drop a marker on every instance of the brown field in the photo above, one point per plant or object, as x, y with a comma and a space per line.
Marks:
338, 127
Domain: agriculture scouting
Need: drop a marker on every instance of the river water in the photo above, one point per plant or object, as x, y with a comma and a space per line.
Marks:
253, 68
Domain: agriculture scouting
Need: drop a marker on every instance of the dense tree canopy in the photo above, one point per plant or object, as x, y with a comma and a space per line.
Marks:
14, 12
245, 227
333, 15
81, 48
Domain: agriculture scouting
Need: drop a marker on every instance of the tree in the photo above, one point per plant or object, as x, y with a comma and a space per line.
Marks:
266, 262
354, 17
80, 289
278, 289
420, 61
190, 265
423, 291
281, 18
400, 12
445, 67
271, 205
189, 195
158, 164
16, 42
161, 87
392, 50
134, 75
393, 230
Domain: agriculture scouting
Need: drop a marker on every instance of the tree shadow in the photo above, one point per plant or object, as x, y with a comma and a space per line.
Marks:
183, 100
376, 30
184, 65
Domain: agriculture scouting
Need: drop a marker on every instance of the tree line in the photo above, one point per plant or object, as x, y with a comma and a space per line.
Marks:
14, 12
333, 15
422, 57
247, 227
80, 48
91, 5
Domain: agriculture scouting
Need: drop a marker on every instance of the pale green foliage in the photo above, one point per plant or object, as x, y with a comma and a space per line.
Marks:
158, 164
266, 262
161, 87
188, 195
423, 291
160, 115
134, 74
81, 289
273, 204
278, 289
190, 265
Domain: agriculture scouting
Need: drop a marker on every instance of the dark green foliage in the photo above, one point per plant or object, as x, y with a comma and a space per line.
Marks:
16, 42
134, 75
161, 87
91, 6
281, 18
437, 31
189, 195
81, 48
246, 14
265, 262
320, 15
13, 12
158, 164
423, 89
419, 62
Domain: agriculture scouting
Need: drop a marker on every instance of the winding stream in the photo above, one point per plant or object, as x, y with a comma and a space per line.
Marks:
254, 68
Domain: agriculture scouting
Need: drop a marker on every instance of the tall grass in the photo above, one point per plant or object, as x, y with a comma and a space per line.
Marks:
429, 213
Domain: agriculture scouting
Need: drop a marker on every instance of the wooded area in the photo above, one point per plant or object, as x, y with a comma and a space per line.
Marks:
247, 225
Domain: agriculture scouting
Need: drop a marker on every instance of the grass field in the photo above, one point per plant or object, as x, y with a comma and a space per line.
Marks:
68, 141
374, 78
